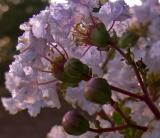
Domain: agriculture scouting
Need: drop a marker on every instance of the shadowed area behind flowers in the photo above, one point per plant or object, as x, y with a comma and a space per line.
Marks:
22, 125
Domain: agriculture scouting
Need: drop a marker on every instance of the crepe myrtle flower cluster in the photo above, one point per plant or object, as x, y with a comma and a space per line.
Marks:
101, 57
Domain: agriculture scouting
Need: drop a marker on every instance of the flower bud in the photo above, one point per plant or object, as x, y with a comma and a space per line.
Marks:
99, 36
128, 39
69, 81
97, 90
60, 74
75, 123
75, 68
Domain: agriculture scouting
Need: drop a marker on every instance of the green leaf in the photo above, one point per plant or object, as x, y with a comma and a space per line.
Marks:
117, 118
126, 110
132, 133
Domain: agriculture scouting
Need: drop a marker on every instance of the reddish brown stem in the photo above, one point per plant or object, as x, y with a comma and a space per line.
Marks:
47, 71
127, 119
112, 129
139, 79
143, 128
134, 67
118, 128
119, 90
55, 47
104, 116
64, 50
116, 107
147, 99
152, 107
111, 26
48, 82
85, 51
118, 49
48, 59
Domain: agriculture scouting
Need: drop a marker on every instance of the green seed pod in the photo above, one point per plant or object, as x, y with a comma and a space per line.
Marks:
99, 36
75, 123
60, 74
69, 81
75, 68
97, 90
128, 39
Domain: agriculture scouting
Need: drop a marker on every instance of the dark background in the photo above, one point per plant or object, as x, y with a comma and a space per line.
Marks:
21, 125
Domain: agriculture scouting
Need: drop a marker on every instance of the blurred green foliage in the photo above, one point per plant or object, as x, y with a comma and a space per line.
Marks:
12, 14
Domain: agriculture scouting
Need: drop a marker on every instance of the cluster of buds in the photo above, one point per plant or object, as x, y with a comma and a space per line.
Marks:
70, 71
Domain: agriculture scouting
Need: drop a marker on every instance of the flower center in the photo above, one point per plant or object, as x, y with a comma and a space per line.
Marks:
93, 33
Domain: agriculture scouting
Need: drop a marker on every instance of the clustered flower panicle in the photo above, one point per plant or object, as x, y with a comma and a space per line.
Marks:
101, 57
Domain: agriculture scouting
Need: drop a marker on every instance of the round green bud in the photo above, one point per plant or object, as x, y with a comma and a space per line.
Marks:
60, 74
99, 36
75, 123
128, 39
75, 68
68, 80
97, 90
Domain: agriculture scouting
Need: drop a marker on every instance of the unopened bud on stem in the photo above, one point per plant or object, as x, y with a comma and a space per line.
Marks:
97, 90
75, 123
